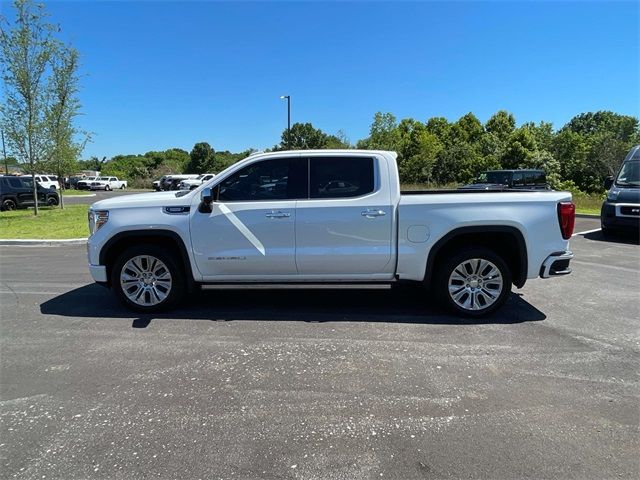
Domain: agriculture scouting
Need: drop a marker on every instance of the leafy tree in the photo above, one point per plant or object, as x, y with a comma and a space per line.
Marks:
338, 141
202, 159
63, 153
303, 136
520, 149
501, 124
382, 133
469, 128
26, 52
40, 85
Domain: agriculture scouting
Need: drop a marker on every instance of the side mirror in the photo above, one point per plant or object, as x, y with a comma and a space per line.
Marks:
206, 196
608, 182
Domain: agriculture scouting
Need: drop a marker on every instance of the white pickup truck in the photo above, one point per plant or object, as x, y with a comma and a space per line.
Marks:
327, 216
108, 183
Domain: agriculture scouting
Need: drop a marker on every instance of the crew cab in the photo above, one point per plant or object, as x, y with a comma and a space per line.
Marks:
108, 183
327, 216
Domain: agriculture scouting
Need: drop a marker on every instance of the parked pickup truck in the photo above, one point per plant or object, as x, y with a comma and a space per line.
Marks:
193, 183
108, 183
328, 216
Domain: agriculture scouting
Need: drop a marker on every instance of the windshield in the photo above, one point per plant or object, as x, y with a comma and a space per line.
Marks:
629, 174
501, 178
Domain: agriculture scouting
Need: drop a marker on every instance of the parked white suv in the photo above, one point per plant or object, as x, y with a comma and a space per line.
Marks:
191, 183
328, 216
46, 181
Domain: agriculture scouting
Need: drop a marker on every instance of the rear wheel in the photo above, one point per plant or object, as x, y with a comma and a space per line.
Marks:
9, 205
147, 279
473, 282
52, 201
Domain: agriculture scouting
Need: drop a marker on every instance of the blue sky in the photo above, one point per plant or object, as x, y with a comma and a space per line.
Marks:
165, 74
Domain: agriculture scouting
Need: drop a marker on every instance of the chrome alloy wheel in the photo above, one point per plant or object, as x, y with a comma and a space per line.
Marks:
475, 284
145, 280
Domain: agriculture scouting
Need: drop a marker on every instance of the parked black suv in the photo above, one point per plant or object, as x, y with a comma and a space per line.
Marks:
17, 192
509, 180
621, 209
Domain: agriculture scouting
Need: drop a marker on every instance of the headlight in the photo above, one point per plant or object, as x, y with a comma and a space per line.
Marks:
97, 219
612, 196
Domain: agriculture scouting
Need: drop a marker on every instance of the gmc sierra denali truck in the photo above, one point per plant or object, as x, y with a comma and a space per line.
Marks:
328, 216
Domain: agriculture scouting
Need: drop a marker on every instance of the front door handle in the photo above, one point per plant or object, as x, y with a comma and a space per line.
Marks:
278, 214
372, 213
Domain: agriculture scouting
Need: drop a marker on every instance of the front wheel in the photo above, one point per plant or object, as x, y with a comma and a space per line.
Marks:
8, 205
147, 279
473, 282
107, 188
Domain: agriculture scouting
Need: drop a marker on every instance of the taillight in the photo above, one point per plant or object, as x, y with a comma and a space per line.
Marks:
566, 218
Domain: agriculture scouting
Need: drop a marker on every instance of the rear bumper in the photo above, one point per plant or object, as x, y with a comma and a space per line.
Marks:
556, 264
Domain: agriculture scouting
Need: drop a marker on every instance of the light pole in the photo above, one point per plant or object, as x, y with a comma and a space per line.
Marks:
288, 97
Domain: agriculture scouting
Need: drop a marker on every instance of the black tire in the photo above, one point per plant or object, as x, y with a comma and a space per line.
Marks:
176, 292
52, 201
107, 188
9, 205
122, 187
476, 292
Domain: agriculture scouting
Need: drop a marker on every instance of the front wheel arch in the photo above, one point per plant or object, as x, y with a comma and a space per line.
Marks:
166, 238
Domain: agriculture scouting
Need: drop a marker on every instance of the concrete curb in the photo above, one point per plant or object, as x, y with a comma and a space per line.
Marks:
587, 215
79, 196
45, 242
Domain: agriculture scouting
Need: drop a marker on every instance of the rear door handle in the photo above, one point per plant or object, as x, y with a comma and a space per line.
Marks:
372, 212
278, 214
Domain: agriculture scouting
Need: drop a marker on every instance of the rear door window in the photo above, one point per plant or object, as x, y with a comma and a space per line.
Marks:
340, 177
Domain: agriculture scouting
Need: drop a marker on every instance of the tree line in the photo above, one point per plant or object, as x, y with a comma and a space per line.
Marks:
437, 152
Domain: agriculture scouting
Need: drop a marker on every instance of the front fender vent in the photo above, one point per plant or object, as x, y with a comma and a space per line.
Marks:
176, 210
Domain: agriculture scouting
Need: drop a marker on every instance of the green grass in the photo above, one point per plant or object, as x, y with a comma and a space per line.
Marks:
52, 222
588, 204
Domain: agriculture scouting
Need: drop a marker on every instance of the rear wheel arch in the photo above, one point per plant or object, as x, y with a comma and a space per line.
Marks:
507, 241
167, 239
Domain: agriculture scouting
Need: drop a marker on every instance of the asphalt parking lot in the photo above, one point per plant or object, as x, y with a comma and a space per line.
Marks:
93, 196
327, 384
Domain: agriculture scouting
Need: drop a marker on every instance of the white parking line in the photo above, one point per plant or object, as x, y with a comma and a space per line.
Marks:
586, 231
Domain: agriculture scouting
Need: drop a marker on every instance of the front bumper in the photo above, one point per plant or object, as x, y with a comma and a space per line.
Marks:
620, 216
556, 264
98, 273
